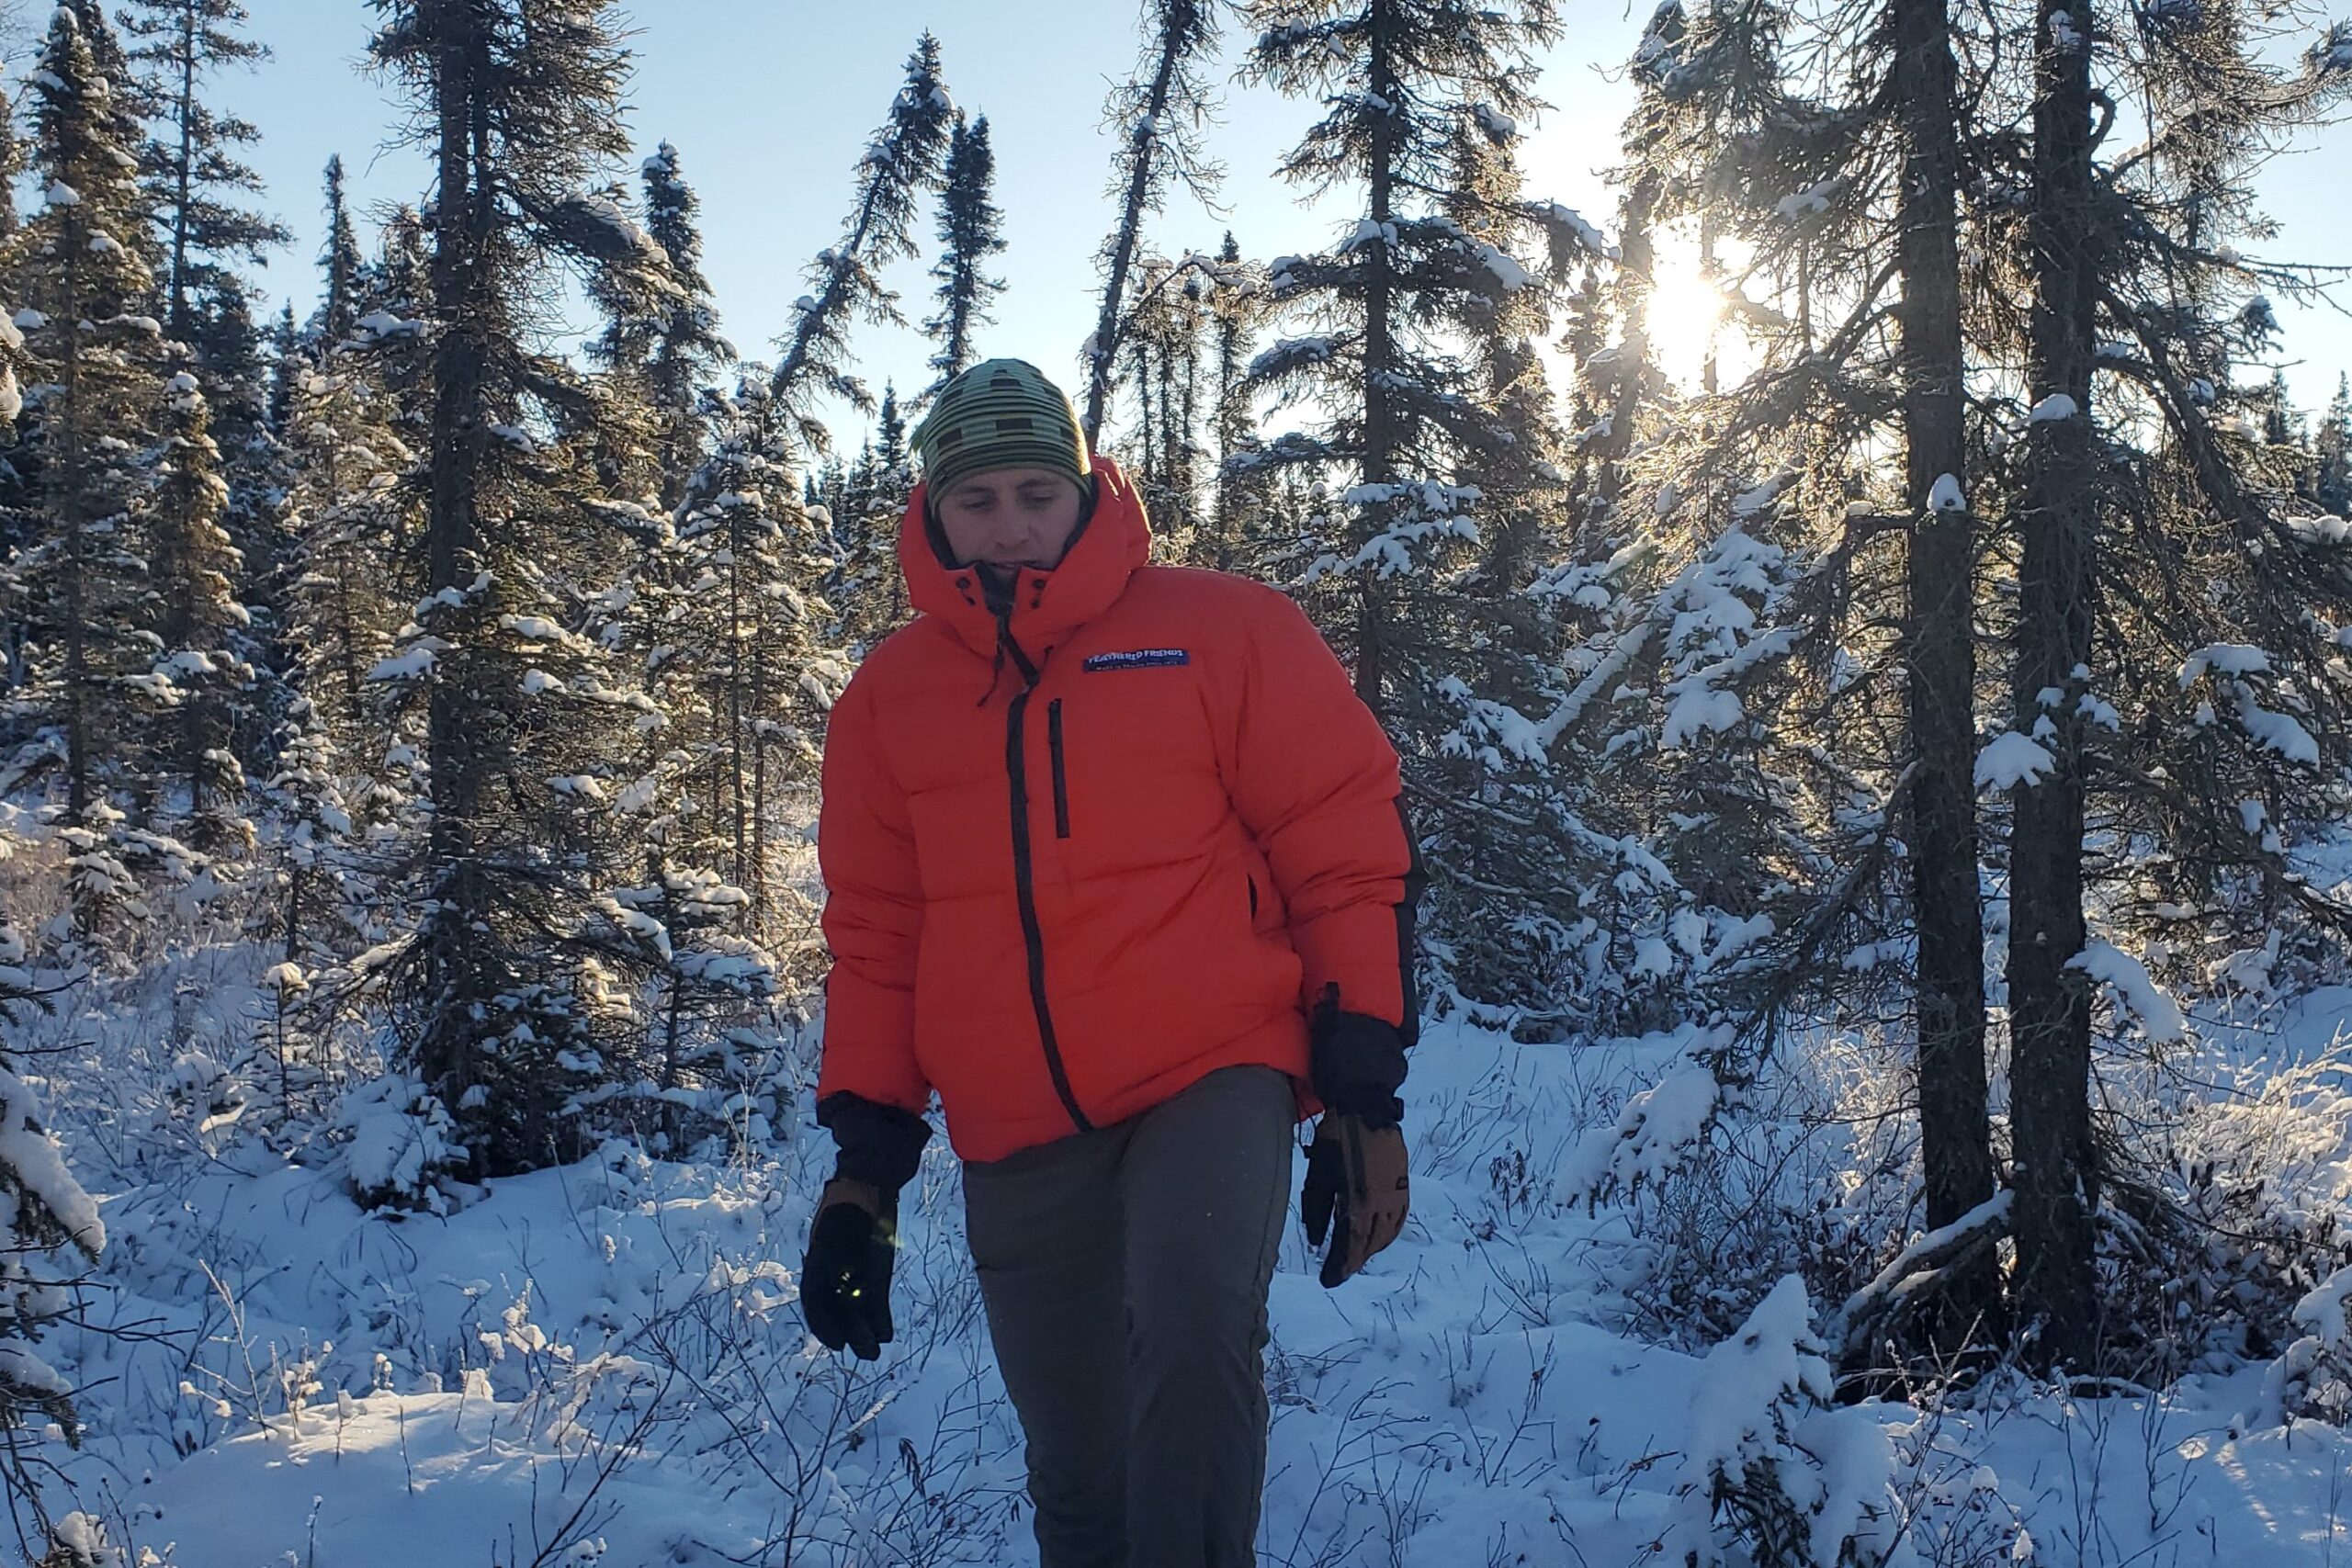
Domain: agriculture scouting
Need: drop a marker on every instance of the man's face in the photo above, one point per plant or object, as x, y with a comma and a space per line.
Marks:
1010, 517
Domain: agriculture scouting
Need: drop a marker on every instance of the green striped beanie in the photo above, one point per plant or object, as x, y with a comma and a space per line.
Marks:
1001, 413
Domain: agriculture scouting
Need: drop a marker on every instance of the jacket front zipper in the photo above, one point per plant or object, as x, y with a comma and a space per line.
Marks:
1061, 779
1016, 767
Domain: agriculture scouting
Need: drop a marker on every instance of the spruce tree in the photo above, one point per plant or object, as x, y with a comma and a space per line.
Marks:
970, 231
341, 263
202, 629
193, 175
749, 662
12, 166
2178, 604
901, 162
523, 719
1940, 653
664, 344
1157, 114
86, 663
865, 588
46, 1217
1236, 310
1397, 75
2331, 449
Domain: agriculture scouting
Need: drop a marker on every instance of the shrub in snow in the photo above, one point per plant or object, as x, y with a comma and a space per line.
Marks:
684, 1009
43, 1213
2210, 1232
403, 1145
2313, 1379
1726, 1189
1774, 1475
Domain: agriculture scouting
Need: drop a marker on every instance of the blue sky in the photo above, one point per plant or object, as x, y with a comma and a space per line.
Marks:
769, 102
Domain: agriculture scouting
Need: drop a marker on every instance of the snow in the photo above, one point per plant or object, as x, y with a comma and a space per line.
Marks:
414, 664
2223, 658
605, 1362
31, 1153
1567, 220
385, 324
1947, 495
60, 194
2010, 758
2056, 406
1808, 202
2277, 732
1652, 1135
2135, 993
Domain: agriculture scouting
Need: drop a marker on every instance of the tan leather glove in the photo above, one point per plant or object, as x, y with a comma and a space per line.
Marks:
1358, 1189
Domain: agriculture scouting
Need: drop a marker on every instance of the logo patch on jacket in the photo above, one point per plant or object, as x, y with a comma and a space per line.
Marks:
1140, 658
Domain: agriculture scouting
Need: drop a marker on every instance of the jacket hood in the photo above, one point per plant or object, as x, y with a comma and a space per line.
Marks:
1114, 541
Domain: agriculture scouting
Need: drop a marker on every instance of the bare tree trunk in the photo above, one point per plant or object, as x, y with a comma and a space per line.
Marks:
2056, 1176
1955, 1137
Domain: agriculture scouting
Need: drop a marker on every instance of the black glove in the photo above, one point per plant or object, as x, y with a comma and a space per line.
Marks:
845, 1278
1357, 1189
1357, 1062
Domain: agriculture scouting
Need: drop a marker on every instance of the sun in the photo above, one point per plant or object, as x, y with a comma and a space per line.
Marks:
1686, 315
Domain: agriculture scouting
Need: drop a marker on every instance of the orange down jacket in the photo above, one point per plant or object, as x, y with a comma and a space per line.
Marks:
1078, 859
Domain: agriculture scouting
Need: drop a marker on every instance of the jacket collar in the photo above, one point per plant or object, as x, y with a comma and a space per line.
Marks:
1046, 605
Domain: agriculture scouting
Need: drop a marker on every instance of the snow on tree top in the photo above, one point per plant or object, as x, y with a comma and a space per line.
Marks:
2012, 759
32, 1157
1494, 121
383, 323
1807, 202
2234, 659
2135, 994
1567, 220
1747, 503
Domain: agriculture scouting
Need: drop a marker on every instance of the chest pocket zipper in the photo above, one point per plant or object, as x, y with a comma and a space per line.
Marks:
1061, 775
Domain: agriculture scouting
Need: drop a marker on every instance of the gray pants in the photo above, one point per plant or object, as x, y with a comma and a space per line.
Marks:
1124, 1271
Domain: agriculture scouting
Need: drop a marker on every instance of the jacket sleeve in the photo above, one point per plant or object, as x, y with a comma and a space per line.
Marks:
870, 1092
1315, 782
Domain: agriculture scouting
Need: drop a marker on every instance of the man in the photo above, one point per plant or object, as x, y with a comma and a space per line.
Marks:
1115, 863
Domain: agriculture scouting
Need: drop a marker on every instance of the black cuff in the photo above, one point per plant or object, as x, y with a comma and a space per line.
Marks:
879, 1143
1358, 1063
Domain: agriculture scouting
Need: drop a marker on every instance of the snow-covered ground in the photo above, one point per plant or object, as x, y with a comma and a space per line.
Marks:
605, 1363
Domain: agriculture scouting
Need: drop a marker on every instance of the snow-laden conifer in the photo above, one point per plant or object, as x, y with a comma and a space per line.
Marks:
190, 164
902, 161
525, 721
970, 234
